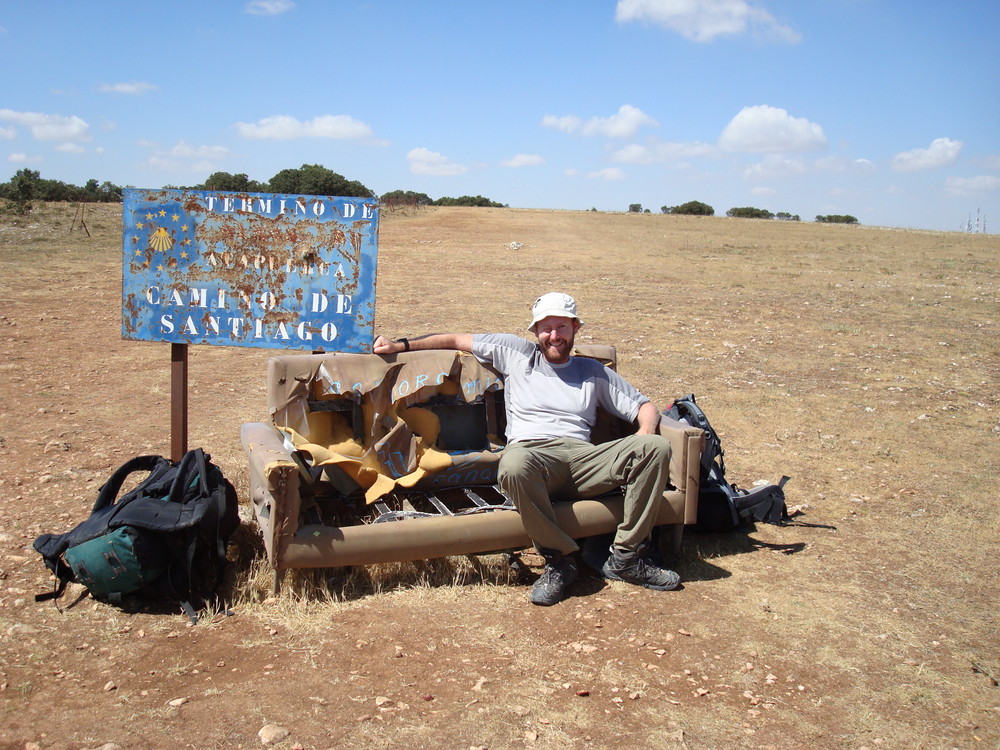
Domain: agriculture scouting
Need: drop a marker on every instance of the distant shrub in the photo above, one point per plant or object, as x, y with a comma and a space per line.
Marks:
748, 212
404, 199
691, 208
635, 208
836, 219
468, 200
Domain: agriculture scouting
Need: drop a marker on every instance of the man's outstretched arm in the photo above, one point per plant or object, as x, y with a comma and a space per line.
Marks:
459, 341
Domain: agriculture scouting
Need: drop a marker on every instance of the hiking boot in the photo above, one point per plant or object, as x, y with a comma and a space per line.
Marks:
633, 567
560, 571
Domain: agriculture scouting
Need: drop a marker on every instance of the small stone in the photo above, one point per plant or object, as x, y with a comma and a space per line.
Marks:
270, 734
109, 686
22, 629
177, 702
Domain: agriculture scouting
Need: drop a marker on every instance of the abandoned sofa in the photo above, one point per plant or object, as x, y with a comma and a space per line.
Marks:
371, 459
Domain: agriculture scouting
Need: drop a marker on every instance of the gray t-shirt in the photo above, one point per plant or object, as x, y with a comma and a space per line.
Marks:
544, 400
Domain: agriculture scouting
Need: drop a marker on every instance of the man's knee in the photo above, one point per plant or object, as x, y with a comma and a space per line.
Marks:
515, 464
655, 446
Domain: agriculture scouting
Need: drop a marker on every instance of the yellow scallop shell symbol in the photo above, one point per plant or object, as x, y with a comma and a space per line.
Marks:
161, 241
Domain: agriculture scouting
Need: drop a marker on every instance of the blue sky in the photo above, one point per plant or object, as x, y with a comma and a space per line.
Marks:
887, 111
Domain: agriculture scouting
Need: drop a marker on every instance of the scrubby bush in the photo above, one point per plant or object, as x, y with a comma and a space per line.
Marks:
691, 208
836, 219
748, 212
468, 200
403, 198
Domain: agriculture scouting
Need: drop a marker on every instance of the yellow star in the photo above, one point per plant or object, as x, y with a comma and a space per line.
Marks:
159, 267
149, 217
175, 217
135, 240
138, 225
163, 212
138, 252
184, 227
184, 255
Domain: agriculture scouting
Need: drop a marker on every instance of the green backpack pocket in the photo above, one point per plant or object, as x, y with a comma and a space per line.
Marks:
119, 562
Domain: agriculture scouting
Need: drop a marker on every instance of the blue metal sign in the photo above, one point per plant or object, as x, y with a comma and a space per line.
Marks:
249, 269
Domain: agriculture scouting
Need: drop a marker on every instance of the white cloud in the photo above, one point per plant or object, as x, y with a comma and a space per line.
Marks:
45, 127
70, 148
774, 167
7, 132
186, 151
268, 7
941, 153
763, 192
19, 158
131, 88
284, 127
762, 129
972, 185
623, 124
612, 174
658, 152
839, 165
523, 160
184, 157
425, 161
567, 123
703, 20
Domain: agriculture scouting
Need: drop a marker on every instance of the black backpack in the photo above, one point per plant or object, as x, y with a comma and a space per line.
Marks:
164, 539
723, 506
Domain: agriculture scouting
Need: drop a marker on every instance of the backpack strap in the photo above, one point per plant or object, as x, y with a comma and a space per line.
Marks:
109, 490
180, 484
57, 591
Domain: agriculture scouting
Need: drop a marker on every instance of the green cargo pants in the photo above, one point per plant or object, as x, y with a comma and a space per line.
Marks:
534, 472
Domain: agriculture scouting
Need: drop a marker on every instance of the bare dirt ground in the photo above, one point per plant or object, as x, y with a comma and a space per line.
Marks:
862, 362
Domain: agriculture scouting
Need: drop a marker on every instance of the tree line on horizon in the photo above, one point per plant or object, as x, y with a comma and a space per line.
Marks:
697, 208
28, 186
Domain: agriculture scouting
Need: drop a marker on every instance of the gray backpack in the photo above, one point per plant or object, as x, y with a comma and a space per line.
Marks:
723, 506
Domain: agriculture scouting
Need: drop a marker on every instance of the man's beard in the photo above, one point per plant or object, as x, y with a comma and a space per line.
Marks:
558, 354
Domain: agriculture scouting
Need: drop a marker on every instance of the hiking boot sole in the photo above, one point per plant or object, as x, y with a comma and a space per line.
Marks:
672, 583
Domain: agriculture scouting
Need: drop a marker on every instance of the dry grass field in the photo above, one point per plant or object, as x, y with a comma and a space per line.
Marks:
862, 362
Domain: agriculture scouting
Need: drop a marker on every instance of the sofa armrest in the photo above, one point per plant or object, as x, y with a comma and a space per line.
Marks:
274, 486
686, 443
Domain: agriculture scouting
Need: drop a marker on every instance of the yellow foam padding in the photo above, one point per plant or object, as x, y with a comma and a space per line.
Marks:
426, 426
330, 428
423, 422
382, 485
350, 457
345, 456
434, 460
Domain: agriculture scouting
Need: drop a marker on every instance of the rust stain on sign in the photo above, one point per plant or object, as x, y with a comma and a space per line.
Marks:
249, 269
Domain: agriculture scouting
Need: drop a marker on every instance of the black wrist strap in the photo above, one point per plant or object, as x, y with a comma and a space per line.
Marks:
406, 344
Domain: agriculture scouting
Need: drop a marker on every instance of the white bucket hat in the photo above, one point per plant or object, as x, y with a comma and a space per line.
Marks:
553, 303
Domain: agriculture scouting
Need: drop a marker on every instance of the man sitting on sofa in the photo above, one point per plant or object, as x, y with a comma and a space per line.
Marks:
551, 399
